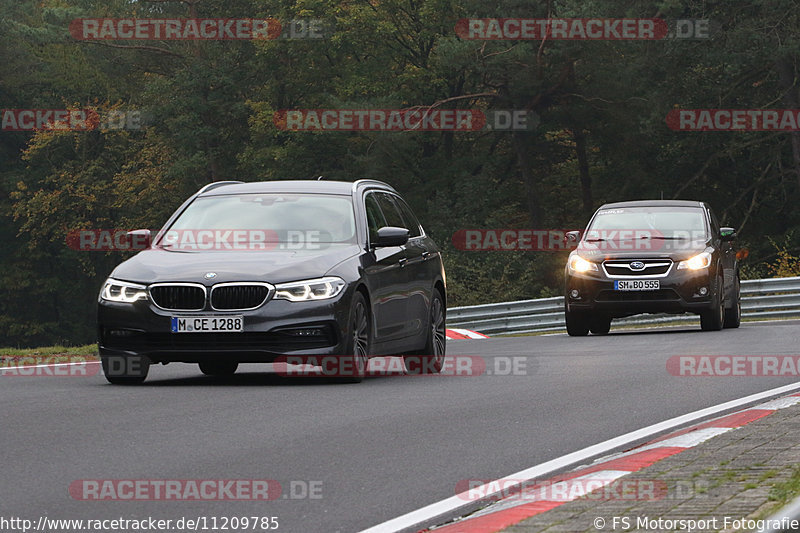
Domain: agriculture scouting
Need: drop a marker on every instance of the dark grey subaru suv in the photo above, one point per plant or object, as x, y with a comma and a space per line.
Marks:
652, 256
252, 272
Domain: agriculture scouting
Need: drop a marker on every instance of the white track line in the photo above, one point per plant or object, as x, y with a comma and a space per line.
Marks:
449, 505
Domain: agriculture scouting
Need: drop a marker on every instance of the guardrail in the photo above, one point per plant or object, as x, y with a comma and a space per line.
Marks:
781, 521
761, 298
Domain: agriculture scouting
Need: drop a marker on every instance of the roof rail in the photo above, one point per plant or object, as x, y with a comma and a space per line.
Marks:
216, 184
358, 183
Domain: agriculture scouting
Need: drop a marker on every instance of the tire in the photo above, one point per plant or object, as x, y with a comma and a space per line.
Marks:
733, 314
359, 342
577, 324
219, 368
600, 325
430, 360
125, 369
714, 318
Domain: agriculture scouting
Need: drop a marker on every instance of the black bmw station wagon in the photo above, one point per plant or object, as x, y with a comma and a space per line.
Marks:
250, 272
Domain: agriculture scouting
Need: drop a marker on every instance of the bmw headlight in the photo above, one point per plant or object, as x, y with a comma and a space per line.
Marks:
122, 291
312, 289
697, 262
579, 264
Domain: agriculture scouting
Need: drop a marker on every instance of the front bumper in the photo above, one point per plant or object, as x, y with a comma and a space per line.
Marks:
270, 331
679, 292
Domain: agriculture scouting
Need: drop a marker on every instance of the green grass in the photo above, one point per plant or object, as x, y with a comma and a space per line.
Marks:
780, 494
786, 491
47, 354
767, 475
730, 475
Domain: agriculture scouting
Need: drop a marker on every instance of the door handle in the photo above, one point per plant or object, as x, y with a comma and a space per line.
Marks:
426, 255
402, 261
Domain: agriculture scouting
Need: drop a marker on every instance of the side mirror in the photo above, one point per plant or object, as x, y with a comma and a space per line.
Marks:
139, 239
727, 234
391, 236
572, 237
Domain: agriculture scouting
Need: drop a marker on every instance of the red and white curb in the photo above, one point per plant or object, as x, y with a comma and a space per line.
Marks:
458, 334
429, 514
604, 471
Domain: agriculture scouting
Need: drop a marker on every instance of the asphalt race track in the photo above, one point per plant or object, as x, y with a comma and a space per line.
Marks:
371, 451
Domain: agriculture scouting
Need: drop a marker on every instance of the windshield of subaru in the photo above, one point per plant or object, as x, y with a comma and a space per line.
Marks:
262, 222
671, 223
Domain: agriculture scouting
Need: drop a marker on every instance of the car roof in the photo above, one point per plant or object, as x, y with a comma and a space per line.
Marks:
654, 203
290, 186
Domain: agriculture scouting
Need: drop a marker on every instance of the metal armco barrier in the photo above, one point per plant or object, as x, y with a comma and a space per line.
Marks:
761, 298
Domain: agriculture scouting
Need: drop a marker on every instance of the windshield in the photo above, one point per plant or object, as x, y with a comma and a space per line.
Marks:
281, 220
650, 222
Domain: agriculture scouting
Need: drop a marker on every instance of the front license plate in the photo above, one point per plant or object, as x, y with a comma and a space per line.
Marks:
637, 285
207, 324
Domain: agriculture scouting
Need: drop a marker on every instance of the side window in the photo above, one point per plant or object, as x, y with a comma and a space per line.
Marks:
390, 211
411, 221
375, 219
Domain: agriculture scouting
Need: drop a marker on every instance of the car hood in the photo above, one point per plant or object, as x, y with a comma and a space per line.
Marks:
675, 250
273, 266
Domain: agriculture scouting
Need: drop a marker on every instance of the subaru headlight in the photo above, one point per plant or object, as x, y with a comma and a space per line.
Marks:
312, 289
122, 291
697, 262
579, 264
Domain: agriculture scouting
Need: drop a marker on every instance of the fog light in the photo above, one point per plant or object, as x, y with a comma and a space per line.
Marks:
574, 293
702, 291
